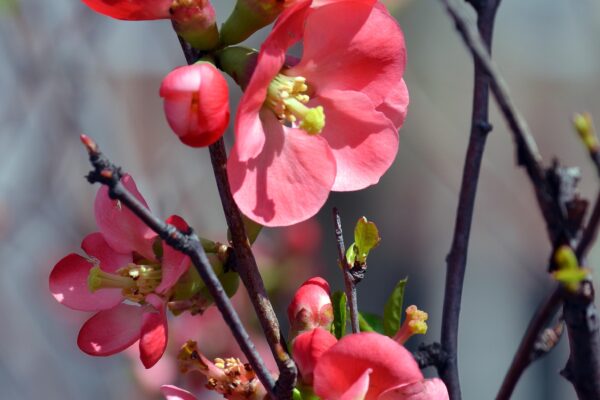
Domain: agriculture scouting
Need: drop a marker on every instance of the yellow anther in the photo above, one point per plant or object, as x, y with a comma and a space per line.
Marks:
286, 97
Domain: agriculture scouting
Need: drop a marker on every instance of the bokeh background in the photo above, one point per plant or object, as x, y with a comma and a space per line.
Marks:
65, 70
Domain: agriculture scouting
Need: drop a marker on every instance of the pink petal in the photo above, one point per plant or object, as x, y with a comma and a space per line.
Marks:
364, 51
395, 105
363, 141
174, 393
95, 246
427, 389
174, 263
359, 389
344, 363
111, 331
68, 285
288, 182
308, 348
131, 9
121, 228
249, 134
153, 340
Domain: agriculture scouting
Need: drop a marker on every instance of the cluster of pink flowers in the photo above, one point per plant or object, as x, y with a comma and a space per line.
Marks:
327, 121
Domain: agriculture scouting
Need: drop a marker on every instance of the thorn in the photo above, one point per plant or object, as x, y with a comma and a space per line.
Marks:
89, 143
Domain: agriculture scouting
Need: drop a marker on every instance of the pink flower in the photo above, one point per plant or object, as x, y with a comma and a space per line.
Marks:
131, 9
174, 393
365, 366
329, 122
196, 103
120, 265
311, 306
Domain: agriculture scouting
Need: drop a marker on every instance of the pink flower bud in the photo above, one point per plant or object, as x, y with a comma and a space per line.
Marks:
311, 307
196, 102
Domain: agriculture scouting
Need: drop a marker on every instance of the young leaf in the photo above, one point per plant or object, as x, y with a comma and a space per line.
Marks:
369, 322
339, 301
366, 237
351, 254
392, 313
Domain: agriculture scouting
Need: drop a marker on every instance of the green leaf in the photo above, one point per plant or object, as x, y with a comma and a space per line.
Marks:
252, 229
339, 301
351, 254
369, 322
366, 238
392, 313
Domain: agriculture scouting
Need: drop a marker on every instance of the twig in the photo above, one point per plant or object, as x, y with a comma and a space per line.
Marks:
584, 363
247, 268
524, 355
428, 355
246, 263
583, 326
349, 283
457, 257
106, 173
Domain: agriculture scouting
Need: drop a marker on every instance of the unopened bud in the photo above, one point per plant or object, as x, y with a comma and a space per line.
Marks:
133, 10
307, 348
585, 128
311, 307
196, 103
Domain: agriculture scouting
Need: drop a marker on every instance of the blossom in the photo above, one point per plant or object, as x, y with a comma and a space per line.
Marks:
367, 366
120, 265
327, 123
196, 103
311, 306
131, 9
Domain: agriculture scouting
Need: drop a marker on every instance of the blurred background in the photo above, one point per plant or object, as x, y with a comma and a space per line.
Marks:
65, 70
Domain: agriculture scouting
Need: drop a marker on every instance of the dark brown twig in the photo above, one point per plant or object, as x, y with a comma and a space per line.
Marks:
106, 173
457, 257
349, 283
246, 263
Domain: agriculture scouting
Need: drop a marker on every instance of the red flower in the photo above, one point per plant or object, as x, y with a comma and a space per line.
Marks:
120, 265
131, 9
327, 123
196, 103
365, 366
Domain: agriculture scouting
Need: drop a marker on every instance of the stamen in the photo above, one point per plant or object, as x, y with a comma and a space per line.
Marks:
414, 324
286, 97
135, 280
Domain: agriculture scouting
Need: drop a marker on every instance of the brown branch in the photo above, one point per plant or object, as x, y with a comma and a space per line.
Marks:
457, 257
246, 263
106, 173
349, 283
584, 363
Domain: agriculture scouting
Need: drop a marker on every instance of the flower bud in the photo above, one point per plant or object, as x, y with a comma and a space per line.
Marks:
133, 10
196, 22
249, 16
196, 103
311, 307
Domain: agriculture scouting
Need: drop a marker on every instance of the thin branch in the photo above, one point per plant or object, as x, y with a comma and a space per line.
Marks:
248, 270
524, 355
349, 283
246, 263
457, 257
106, 173
579, 310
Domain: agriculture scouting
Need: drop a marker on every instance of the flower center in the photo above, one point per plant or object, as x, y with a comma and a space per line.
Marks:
136, 281
287, 98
